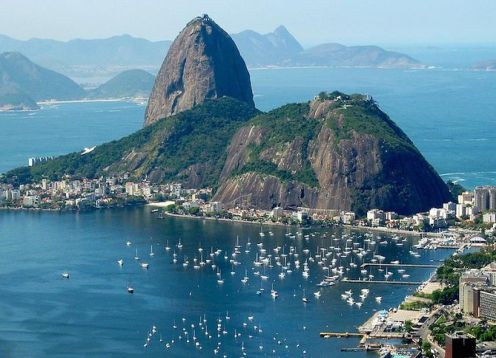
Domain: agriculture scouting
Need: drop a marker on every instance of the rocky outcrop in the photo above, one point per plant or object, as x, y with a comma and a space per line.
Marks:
203, 62
358, 157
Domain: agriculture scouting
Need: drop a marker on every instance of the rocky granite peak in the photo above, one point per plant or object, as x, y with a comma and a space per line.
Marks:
203, 62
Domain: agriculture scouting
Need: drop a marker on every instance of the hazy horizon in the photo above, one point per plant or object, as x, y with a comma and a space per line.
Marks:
384, 22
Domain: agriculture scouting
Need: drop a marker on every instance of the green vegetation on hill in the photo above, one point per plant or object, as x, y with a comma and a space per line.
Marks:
201, 136
455, 190
283, 125
131, 83
196, 136
357, 113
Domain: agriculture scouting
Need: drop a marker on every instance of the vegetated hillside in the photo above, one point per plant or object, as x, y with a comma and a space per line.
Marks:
336, 152
188, 147
131, 83
19, 75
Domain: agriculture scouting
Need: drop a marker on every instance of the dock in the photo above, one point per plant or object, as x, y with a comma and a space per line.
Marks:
383, 282
365, 336
367, 264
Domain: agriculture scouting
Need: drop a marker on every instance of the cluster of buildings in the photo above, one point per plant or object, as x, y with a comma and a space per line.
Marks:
112, 191
479, 203
477, 292
38, 160
481, 200
78, 194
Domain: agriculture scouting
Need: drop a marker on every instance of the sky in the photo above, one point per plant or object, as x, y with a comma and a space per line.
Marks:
352, 22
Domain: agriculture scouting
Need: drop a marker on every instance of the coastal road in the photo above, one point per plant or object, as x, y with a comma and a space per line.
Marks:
424, 331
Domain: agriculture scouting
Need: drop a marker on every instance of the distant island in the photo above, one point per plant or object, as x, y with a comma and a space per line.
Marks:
24, 83
77, 58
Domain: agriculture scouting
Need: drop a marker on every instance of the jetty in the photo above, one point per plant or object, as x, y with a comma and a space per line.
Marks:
383, 282
370, 264
365, 336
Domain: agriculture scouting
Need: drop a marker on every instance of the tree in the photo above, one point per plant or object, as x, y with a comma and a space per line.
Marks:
194, 210
426, 349
408, 326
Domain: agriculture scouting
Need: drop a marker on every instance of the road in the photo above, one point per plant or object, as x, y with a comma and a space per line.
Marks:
424, 331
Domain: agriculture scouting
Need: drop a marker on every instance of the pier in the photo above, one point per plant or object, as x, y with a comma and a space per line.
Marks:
405, 283
367, 264
365, 336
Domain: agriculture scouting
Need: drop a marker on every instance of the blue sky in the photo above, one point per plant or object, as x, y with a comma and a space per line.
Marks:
399, 22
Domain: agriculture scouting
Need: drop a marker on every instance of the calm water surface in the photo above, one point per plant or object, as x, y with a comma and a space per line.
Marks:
44, 314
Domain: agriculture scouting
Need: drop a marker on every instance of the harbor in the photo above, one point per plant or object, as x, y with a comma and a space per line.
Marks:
255, 272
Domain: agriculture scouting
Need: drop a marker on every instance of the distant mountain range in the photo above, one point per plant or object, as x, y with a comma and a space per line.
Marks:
278, 48
23, 83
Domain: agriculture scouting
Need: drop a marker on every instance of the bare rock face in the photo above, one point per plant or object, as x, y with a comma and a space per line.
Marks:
202, 63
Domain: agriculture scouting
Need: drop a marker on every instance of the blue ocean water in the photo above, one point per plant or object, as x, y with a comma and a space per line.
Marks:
449, 114
63, 128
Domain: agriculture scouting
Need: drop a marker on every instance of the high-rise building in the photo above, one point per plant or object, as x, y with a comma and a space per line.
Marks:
485, 197
487, 307
460, 345
468, 280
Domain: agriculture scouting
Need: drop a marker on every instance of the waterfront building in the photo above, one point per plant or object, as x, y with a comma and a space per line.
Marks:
277, 212
375, 214
30, 201
214, 207
132, 188
302, 216
347, 217
391, 215
460, 345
